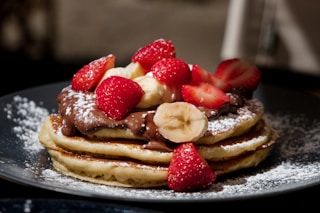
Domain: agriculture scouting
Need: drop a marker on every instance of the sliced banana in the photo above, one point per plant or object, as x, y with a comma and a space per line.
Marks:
135, 69
131, 71
180, 122
155, 92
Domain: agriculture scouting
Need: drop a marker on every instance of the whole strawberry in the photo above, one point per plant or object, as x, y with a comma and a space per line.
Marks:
153, 52
88, 77
188, 170
117, 96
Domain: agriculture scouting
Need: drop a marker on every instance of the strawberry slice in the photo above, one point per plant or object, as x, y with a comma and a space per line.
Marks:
173, 72
117, 96
153, 52
204, 94
88, 77
239, 73
188, 170
199, 74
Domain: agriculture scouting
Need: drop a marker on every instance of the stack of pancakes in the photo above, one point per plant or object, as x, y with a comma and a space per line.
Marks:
232, 142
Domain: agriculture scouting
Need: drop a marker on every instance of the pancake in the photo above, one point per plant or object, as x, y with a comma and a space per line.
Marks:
109, 171
135, 149
50, 137
231, 125
247, 160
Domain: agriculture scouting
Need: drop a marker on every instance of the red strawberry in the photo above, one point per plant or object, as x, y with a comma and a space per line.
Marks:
171, 71
188, 170
117, 96
204, 94
153, 52
239, 73
88, 77
199, 74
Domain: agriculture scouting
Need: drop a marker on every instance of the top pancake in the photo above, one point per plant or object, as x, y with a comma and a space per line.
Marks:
52, 138
220, 128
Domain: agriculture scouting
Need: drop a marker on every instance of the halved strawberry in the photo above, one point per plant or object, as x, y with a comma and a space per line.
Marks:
199, 74
88, 77
204, 94
239, 73
188, 170
153, 52
117, 96
172, 71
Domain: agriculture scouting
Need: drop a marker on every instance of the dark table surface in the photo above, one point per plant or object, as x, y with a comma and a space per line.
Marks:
38, 73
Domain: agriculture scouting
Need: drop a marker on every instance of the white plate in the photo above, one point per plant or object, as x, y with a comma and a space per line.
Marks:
293, 165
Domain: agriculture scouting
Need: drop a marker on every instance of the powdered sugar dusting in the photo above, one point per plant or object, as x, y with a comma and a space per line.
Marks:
28, 117
226, 123
294, 161
83, 99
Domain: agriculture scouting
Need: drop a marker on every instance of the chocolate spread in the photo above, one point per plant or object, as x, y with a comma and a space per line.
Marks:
82, 116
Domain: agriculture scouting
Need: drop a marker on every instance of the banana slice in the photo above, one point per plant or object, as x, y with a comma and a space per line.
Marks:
155, 93
135, 69
180, 122
131, 71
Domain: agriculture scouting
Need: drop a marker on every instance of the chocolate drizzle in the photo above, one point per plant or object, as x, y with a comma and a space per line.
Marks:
238, 99
238, 96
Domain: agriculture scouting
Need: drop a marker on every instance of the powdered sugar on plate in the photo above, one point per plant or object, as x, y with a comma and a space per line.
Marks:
294, 162
28, 117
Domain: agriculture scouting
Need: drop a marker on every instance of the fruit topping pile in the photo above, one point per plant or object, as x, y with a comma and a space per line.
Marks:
156, 79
